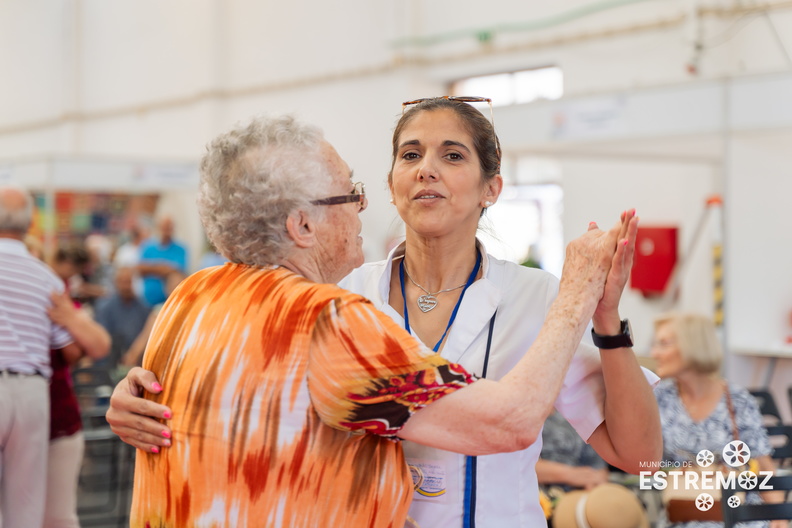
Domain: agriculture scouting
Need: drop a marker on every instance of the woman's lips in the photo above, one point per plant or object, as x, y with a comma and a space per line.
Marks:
428, 195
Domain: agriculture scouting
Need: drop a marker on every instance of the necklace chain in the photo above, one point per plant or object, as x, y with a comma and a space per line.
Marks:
429, 301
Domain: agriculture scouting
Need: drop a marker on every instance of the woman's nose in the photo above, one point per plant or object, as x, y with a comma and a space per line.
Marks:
427, 170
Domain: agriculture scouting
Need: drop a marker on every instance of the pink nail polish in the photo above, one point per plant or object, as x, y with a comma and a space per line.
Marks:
155, 449
167, 443
156, 386
167, 415
166, 434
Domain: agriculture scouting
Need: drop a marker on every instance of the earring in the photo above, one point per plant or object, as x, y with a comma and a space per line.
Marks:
488, 204
391, 200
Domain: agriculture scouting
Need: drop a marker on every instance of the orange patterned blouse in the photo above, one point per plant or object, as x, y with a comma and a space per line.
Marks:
274, 382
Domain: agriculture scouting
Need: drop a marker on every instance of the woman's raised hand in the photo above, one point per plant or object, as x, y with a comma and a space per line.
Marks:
588, 261
598, 264
606, 317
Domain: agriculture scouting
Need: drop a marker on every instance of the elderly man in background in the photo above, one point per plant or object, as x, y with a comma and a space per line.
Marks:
26, 337
286, 393
122, 314
158, 258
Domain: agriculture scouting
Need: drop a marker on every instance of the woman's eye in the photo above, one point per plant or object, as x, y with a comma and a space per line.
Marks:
410, 155
456, 156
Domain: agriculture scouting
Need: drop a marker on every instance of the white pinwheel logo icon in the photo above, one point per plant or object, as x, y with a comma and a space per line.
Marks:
734, 501
736, 453
705, 458
704, 502
747, 480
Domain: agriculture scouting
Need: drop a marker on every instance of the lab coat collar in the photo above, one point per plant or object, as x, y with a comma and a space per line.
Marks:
480, 302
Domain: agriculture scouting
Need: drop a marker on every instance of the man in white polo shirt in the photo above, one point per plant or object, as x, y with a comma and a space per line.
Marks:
26, 337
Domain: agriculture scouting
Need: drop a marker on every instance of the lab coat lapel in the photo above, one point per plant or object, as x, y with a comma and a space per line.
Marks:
480, 302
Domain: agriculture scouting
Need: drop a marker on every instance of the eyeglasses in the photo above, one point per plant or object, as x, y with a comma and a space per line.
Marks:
461, 99
358, 195
664, 343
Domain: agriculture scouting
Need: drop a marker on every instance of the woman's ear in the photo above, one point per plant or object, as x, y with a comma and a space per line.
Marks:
493, 189
390, 187
301, 229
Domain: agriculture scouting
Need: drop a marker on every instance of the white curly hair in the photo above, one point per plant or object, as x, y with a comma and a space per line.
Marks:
252, 178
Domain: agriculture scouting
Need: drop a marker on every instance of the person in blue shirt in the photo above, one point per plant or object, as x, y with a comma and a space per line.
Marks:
158, 258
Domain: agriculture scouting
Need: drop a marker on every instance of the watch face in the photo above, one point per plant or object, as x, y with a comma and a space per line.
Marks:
628, 332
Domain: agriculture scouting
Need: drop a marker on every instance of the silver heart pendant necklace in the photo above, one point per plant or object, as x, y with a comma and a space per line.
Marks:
427, 302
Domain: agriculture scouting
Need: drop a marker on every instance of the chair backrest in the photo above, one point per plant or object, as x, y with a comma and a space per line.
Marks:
767, 406
756, 512
93, 386
789, 393
781, 440
87, 378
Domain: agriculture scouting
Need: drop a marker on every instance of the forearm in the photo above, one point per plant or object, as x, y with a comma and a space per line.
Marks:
550, 472
585, 477
632, 418
507, 415
72, 353
89, 290
536, 380
160, 270
135, 352
89, 335
138, 346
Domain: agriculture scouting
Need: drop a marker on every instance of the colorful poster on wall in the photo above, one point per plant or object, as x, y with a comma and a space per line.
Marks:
74, 216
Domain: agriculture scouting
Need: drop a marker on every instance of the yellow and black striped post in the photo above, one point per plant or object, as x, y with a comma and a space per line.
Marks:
717, 283
715, 202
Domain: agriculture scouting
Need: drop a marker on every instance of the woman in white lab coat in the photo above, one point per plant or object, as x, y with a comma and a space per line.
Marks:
484, 312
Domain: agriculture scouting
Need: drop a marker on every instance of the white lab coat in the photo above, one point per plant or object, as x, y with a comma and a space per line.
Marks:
507, 490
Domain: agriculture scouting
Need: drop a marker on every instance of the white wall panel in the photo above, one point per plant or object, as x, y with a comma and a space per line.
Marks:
31, 34
759, 283
138, 52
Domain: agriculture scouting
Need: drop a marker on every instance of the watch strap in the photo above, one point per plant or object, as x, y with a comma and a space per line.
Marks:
621, 340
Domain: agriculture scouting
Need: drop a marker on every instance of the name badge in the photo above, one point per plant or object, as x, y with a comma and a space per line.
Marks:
429, 479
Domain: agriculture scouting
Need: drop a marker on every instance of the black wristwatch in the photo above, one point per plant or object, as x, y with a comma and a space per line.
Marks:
620, 340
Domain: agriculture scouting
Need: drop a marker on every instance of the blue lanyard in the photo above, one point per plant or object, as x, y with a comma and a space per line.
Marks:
469, 516
469, 519
470, 281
